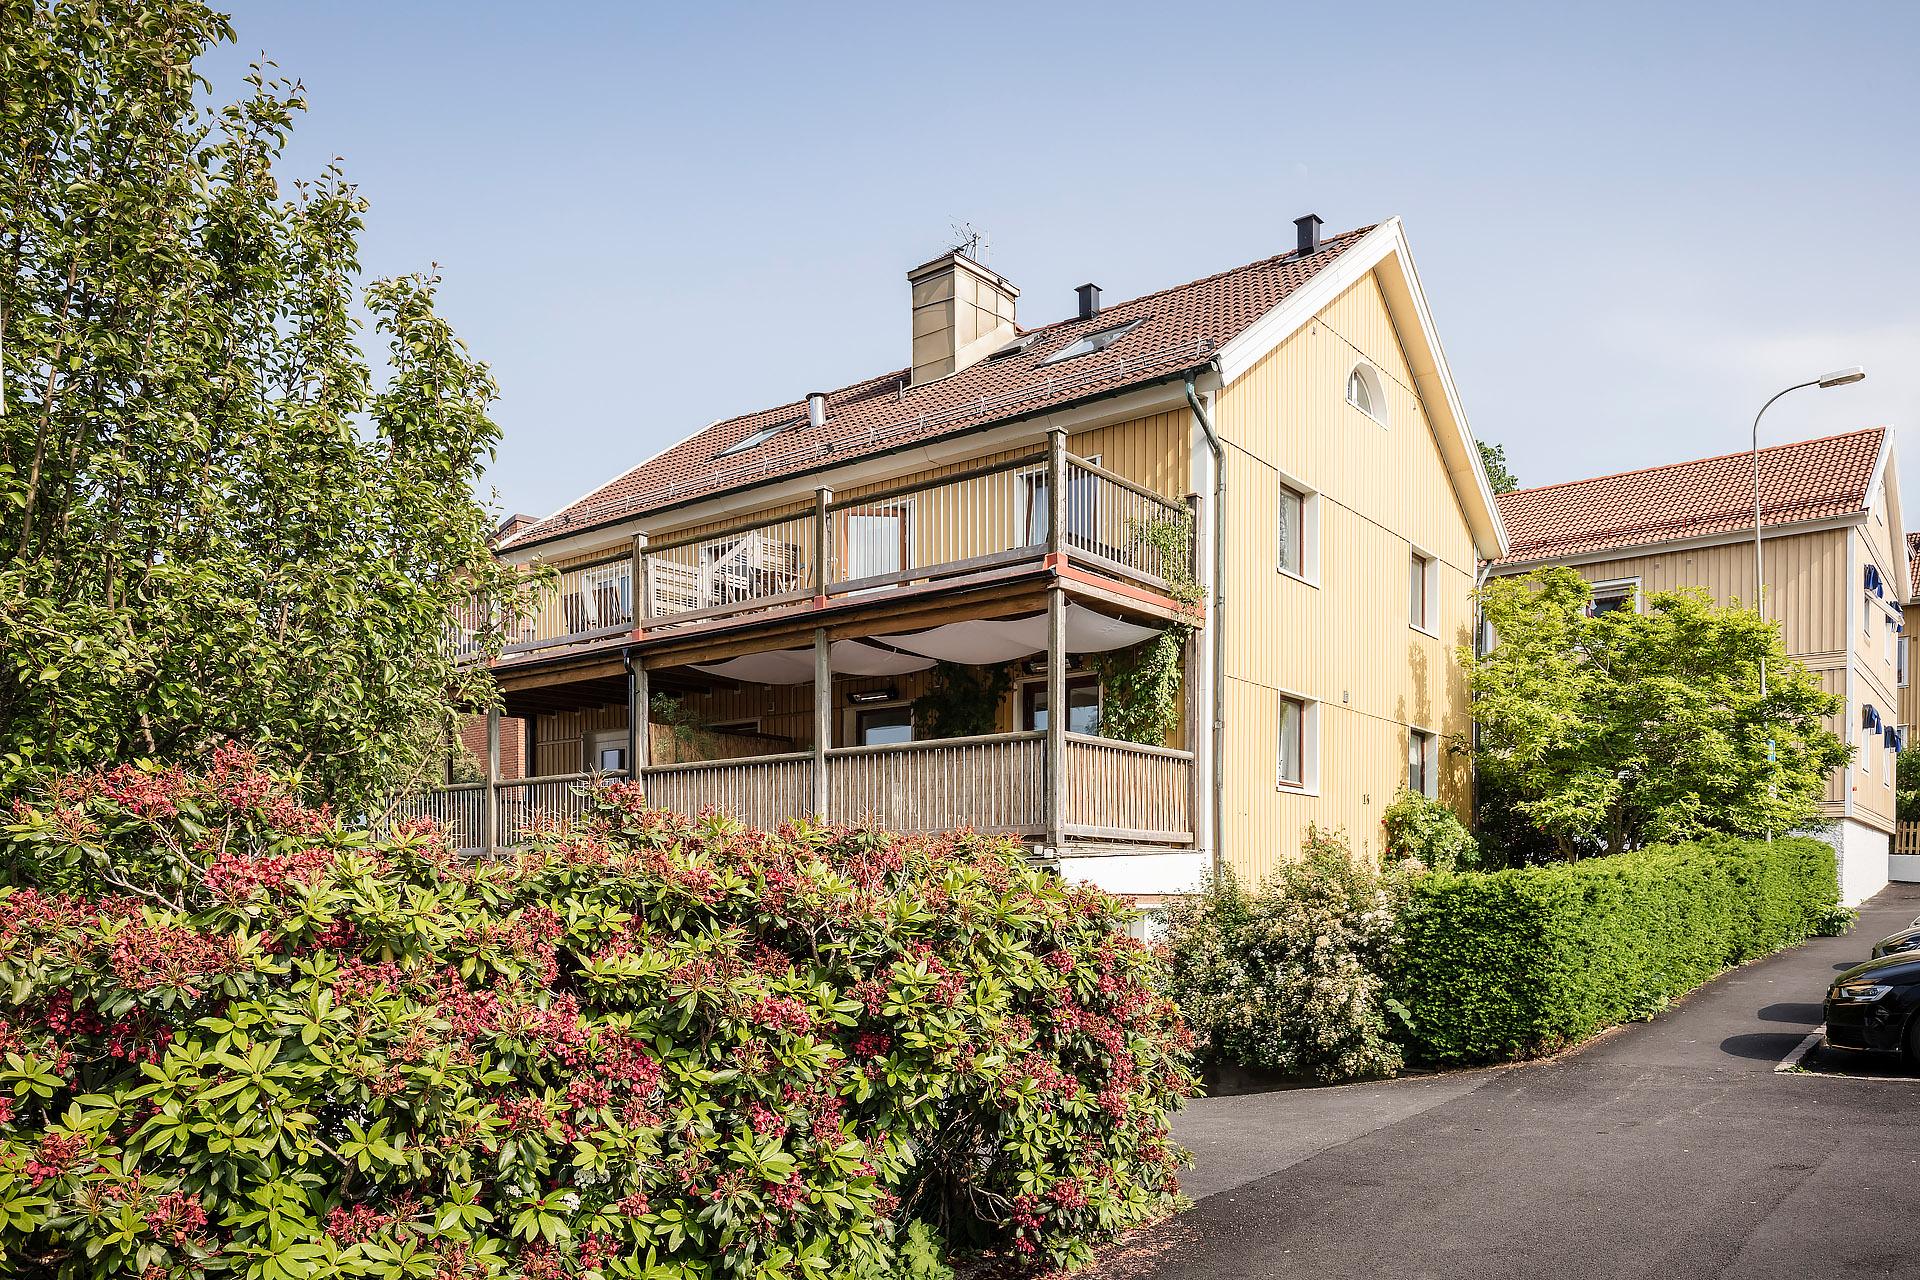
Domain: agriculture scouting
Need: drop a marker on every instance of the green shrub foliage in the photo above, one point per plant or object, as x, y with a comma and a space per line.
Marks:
1525, 961
650, 1047
1290, 976
1428, 832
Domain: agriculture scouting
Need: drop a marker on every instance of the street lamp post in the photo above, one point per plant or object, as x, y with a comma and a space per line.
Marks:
1838, 378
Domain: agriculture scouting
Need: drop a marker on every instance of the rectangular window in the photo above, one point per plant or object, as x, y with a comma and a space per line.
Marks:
1891, 634
1293, 742
1083, 706
1420, 761
1903, 654
1608, 596
1420, 591
607, 751
883, 726
1293, 531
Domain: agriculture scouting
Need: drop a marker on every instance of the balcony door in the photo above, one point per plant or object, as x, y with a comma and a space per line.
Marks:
1083, 507
878, 540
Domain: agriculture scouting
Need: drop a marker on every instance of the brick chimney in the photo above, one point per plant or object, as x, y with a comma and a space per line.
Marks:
962, 313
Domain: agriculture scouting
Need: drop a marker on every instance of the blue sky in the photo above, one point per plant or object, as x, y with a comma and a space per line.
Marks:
1634, 222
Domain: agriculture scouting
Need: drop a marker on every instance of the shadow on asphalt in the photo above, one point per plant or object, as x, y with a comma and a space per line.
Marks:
1762, 1046
1824, 1060
1804, 1012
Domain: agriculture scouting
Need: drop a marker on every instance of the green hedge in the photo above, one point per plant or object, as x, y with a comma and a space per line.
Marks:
1511, 963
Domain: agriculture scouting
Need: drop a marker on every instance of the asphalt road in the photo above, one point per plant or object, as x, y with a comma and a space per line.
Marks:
1672, 1148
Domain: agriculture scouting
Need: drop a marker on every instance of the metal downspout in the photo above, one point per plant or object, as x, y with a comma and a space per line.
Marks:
1219, 702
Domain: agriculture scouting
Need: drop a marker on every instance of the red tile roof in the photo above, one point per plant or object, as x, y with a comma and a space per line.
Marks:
1810, 480
1913, 565
1180, 329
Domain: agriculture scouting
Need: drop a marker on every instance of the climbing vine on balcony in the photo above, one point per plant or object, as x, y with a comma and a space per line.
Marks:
961, 701
1141, 684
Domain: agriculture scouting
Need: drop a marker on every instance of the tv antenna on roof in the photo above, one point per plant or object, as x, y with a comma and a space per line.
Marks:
969, 240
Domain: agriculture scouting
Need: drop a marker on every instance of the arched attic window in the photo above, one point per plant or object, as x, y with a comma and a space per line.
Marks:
1365, 393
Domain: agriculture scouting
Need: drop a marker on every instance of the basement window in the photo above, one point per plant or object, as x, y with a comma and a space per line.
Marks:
1094, 342
759, 437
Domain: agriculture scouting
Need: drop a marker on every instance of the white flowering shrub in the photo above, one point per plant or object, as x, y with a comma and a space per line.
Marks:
1292, 976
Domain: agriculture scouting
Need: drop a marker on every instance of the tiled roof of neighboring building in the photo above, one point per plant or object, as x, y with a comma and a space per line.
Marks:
1810, 480
1180, 328
1913, 564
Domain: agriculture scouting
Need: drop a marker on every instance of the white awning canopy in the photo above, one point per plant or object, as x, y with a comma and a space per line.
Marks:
795, 666
980, 641
977, 642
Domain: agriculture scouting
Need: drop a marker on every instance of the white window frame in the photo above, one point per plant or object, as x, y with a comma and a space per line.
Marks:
1309, 571
1376, 389
1891, 632
1427, 743
1429, 621
1611, 587
1309, 783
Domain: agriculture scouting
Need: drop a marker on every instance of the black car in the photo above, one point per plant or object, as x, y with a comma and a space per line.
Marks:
1876, 1005
1907, 940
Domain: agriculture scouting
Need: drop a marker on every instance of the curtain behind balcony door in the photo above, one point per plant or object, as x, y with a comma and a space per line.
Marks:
876, 541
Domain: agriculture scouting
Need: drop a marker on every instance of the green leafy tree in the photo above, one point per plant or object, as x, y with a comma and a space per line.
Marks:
1906, 785
219, 518
1603, 732
1493, 459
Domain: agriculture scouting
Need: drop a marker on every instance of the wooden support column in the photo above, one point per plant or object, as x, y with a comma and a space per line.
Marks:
822, 719
490, 811
1056, 717
1056, 492
642, 582
639, 719
822, 544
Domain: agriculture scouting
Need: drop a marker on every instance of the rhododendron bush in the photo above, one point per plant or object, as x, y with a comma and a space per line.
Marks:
238, 1037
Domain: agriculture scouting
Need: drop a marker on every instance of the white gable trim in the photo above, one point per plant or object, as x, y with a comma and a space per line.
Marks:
1385, 249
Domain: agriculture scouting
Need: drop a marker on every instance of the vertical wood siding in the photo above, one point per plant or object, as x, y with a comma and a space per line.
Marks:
1345, 643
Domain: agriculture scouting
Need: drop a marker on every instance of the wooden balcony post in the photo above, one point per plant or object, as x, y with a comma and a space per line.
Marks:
1056, 716
490, 811
822, 544
639, 720
638, 601
1056, 492
822, 719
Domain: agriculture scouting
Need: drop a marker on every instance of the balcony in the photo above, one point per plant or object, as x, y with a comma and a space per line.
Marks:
810, 652
964, 527
1112, 791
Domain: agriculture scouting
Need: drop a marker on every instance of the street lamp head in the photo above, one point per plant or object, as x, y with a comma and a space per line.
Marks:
1841, 377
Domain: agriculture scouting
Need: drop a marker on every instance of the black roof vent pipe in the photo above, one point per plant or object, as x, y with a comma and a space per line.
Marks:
1089, 300
1308, 229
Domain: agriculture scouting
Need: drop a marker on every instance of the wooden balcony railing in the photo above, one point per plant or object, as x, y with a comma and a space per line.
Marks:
994, 783
967, 522
1115, 791
1127, 790
760, 791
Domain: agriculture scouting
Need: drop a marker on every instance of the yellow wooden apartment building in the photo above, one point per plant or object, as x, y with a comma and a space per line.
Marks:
1271, 462
1838, 579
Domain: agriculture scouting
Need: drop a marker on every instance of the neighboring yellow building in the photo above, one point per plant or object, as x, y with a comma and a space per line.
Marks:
1031, 503
1838, 576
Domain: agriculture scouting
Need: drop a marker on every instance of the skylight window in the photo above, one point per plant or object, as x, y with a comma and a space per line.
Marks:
1094, 342
759, 437
1013, 348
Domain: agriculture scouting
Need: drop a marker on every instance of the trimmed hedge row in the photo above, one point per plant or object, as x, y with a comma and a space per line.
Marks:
1513, 963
